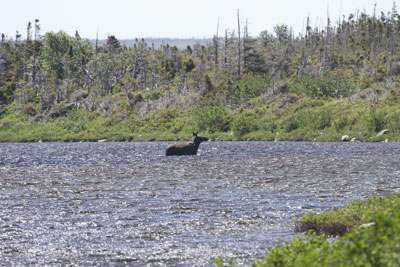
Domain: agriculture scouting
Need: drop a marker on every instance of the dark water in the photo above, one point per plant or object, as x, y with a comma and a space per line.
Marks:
126, 203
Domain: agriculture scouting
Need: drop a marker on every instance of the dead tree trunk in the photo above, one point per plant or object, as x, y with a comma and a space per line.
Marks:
239, 53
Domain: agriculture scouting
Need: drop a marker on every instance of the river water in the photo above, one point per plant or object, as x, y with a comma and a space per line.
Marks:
128, 204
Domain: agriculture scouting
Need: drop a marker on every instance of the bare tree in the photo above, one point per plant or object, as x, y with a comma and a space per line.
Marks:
239, 53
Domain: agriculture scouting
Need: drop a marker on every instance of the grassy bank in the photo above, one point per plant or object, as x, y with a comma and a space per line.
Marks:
370, 237
292, 117
340, 220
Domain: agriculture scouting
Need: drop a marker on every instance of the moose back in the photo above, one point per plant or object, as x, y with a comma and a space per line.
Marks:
187, 148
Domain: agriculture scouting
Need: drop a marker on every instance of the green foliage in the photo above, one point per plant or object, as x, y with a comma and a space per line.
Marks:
340, 220
219, 262
394, 122
156, 94
60, 52
188, 65
376, 244
209, 118
253, 85
309, 251
341, 123
281, 32
322, 119
75, 121
29, 109
299, 81
309, 119
57, 45
7, 93
243, 124
328, 84
108, 70
375, 120
266, 37
113, 43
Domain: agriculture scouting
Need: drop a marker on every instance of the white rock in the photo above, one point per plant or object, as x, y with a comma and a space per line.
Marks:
345, 138
367, 225
382, 132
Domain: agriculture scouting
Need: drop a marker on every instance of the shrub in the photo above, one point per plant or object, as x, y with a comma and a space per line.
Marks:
254, 85
7, 93
315, 120
242, 125
135, 98
156, 94
340, 220
322, 119
29, 110
375, 120
291, 124
74, 122
374, 245
328, 84
340, 123
209, 118
394, 120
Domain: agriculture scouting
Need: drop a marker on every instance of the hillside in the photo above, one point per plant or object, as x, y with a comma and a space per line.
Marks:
339, 80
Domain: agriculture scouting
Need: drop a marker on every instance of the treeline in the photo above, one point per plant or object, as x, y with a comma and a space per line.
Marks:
44, 76
158, 42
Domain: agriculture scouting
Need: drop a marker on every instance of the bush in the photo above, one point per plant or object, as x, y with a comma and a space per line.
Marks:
328, 84
377, 244
375, 120
394, 119
341, 220
7, 93
308, 119
29, 110
156, 94
340, 123
242, 125
321, 119
74, 122
253, 85
209, 118
291, 124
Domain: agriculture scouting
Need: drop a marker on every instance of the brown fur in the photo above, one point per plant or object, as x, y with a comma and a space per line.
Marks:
188, 148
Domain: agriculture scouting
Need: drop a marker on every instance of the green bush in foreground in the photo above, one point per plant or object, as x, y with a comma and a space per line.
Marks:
373, 240
375, 245
341, 220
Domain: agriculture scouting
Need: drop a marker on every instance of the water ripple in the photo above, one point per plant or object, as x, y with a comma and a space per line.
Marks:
125, 203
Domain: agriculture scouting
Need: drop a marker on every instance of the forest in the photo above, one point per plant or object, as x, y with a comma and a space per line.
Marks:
340, 79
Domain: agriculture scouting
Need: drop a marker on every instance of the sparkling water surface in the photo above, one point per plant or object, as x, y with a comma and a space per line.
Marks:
127, 204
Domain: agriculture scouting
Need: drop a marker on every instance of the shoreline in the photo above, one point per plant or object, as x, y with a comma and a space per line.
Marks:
180, 140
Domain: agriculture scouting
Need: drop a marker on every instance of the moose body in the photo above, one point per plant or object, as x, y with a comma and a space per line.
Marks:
188, 148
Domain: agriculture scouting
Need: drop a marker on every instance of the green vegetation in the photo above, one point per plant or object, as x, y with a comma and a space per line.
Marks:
370, 237
319, 86
340, 80
341, 220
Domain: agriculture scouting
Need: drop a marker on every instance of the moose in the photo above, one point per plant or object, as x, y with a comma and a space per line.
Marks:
188, 148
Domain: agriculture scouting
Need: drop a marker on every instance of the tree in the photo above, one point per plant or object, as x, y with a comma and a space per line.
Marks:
106, 71
282, 32
56, 47
266, 38
253, 59
113, 43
